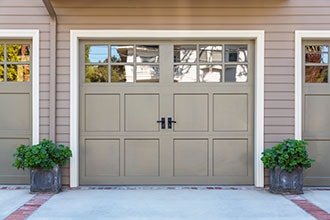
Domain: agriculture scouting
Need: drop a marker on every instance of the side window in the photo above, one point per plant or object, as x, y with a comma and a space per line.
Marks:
15, 62
118, 63
316, 63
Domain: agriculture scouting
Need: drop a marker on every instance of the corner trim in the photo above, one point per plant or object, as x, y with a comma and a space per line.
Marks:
257, 35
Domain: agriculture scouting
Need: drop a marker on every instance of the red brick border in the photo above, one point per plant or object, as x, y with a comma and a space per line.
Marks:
29, 207
310, 208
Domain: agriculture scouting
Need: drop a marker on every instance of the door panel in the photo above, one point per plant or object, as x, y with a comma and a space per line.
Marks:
191, 112
191, 157
230, 112
141, 112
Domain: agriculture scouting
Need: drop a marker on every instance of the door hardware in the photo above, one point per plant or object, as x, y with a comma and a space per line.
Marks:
169, 122
163, 123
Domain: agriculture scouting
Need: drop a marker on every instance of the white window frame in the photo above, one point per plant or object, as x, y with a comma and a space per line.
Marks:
257, 35
34, 36
300, 36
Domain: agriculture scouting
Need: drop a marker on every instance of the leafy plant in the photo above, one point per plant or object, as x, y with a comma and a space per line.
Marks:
289, 154
44, 155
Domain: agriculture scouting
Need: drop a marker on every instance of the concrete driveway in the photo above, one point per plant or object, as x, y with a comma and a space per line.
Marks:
169, 204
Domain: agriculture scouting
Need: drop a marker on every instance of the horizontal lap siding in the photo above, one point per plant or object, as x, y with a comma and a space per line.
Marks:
22, 14
279, 19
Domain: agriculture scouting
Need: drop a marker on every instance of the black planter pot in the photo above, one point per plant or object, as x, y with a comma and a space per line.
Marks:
284, 182
46, 180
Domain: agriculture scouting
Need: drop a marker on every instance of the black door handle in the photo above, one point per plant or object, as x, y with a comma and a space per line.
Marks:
169, 122
163, 123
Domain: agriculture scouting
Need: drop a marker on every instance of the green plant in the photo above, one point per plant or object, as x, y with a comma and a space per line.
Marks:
289, 154
44, 155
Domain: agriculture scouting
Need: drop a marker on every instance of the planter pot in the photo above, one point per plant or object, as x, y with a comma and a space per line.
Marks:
284, 182
46, 180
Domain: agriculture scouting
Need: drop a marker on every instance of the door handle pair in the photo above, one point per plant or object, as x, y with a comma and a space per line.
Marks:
170, 121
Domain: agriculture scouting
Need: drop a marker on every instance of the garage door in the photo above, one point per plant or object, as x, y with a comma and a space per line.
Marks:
15, 102
166, 112
316, 107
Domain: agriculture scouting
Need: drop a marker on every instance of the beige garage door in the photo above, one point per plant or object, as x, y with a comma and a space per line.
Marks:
316, 108
15, 102
166, 113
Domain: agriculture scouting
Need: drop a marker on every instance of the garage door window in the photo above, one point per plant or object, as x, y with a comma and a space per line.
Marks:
118, 63
15, 62
316, 63
210, 63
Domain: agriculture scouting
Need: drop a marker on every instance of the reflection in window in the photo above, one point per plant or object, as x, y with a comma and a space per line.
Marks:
316, 54
96, 73
236, 73
96, 53
118, 73
15, 62
185, 53
210, 73
185, 73
236, 53
147, 53
147, 73
2, 55
316, 74
127, 63
2, 70
209, 54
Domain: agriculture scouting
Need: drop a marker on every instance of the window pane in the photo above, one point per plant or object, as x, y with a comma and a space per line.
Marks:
236, 73
316, 74
122, 53
18, 52
121, 73
185, 73
2, 56
210, 73
18, 73
96, 73
96, 54
147, 73
236, 53
316, 54
210, 53
185, 53
2, 70
147, 53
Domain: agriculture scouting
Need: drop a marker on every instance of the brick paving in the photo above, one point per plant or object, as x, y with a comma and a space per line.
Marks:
39, 199
29, 207
309, 207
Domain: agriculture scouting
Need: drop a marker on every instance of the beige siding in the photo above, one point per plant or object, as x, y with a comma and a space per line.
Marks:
279, 19
21, 14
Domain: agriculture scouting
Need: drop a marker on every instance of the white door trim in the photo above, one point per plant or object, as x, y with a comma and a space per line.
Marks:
34, 35
257, 35
299, 37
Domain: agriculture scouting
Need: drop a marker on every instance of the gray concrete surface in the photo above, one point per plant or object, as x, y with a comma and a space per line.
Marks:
321, 198
169, 205
10, 200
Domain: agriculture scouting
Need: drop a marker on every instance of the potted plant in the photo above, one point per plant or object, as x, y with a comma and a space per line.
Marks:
286, 162
44, 160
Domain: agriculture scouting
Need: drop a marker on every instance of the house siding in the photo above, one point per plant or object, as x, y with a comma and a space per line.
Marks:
278, 18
